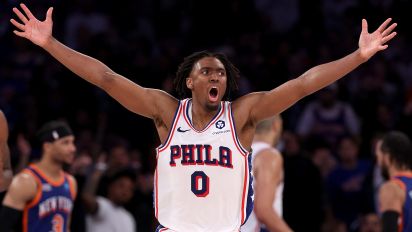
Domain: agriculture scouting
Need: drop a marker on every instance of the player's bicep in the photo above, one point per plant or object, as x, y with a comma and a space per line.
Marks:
277, 100
22, 189
267, 175
391, 197
140, 100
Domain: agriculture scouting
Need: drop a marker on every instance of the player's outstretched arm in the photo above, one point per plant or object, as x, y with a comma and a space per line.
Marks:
277, 100
6, 173
143, 101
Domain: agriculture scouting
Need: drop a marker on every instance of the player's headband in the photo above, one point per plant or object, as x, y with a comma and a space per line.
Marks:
53, 131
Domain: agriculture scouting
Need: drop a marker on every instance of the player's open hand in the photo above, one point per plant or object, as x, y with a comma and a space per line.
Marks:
371, 43
38, 32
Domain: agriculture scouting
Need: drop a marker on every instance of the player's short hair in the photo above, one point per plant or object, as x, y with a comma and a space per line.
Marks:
399, 148
185, 68
266, 124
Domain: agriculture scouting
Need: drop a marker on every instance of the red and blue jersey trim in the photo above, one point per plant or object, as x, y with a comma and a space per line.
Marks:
247, 201
172, 130
188, 120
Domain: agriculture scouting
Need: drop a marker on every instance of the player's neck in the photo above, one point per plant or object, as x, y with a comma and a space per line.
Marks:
393, 171
50, 168
264, 139
201, 116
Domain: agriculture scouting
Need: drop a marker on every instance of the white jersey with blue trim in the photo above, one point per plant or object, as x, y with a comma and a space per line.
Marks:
252, 224
202, 179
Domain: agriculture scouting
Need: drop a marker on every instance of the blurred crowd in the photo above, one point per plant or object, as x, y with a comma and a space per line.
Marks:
328, 144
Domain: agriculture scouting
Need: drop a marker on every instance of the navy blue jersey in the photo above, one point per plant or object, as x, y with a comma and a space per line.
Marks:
404, 180
50, 209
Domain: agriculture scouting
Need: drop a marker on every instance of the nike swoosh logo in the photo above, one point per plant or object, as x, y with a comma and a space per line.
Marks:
181, 130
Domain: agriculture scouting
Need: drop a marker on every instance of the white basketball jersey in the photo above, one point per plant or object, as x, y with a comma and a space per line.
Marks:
202, 179
252, 224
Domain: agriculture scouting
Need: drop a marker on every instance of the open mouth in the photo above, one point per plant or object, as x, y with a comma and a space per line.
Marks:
213, 94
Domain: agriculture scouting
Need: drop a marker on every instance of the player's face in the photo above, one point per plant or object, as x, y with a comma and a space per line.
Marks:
64, 149
208, 82
381, 159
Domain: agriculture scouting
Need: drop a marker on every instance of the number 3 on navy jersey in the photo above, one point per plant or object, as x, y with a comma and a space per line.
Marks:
58, 223
200, 184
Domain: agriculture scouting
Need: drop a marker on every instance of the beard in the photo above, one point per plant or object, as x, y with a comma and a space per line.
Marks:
213, 107
385, 172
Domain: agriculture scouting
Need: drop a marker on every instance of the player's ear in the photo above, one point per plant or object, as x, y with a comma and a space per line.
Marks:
46, 146
386, 159
189, 83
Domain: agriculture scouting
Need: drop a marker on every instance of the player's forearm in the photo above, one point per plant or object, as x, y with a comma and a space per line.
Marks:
6, 178
271, 220
323, 75
274, 223
88, 68
279, 226
6, 172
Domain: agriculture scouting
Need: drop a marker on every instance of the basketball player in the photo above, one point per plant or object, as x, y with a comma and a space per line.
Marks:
394, 156
6, 173
202, 180
267, 179
43, 193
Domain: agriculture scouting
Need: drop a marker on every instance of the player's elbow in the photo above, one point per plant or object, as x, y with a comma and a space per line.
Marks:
263, 212
300, 88
107, 79
307, 83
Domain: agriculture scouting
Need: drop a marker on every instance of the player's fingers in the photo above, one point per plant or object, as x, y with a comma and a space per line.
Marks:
383, 47
49, 14
388, 30
388, 37
364, 26
19, 33
27, 11
17, 24
20, 15
382, 27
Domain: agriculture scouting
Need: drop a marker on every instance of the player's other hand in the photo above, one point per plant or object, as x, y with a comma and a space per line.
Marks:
38, 32
371, 43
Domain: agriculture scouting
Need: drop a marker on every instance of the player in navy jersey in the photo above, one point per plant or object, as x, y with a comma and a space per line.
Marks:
41, 196
394, 156
204, 156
